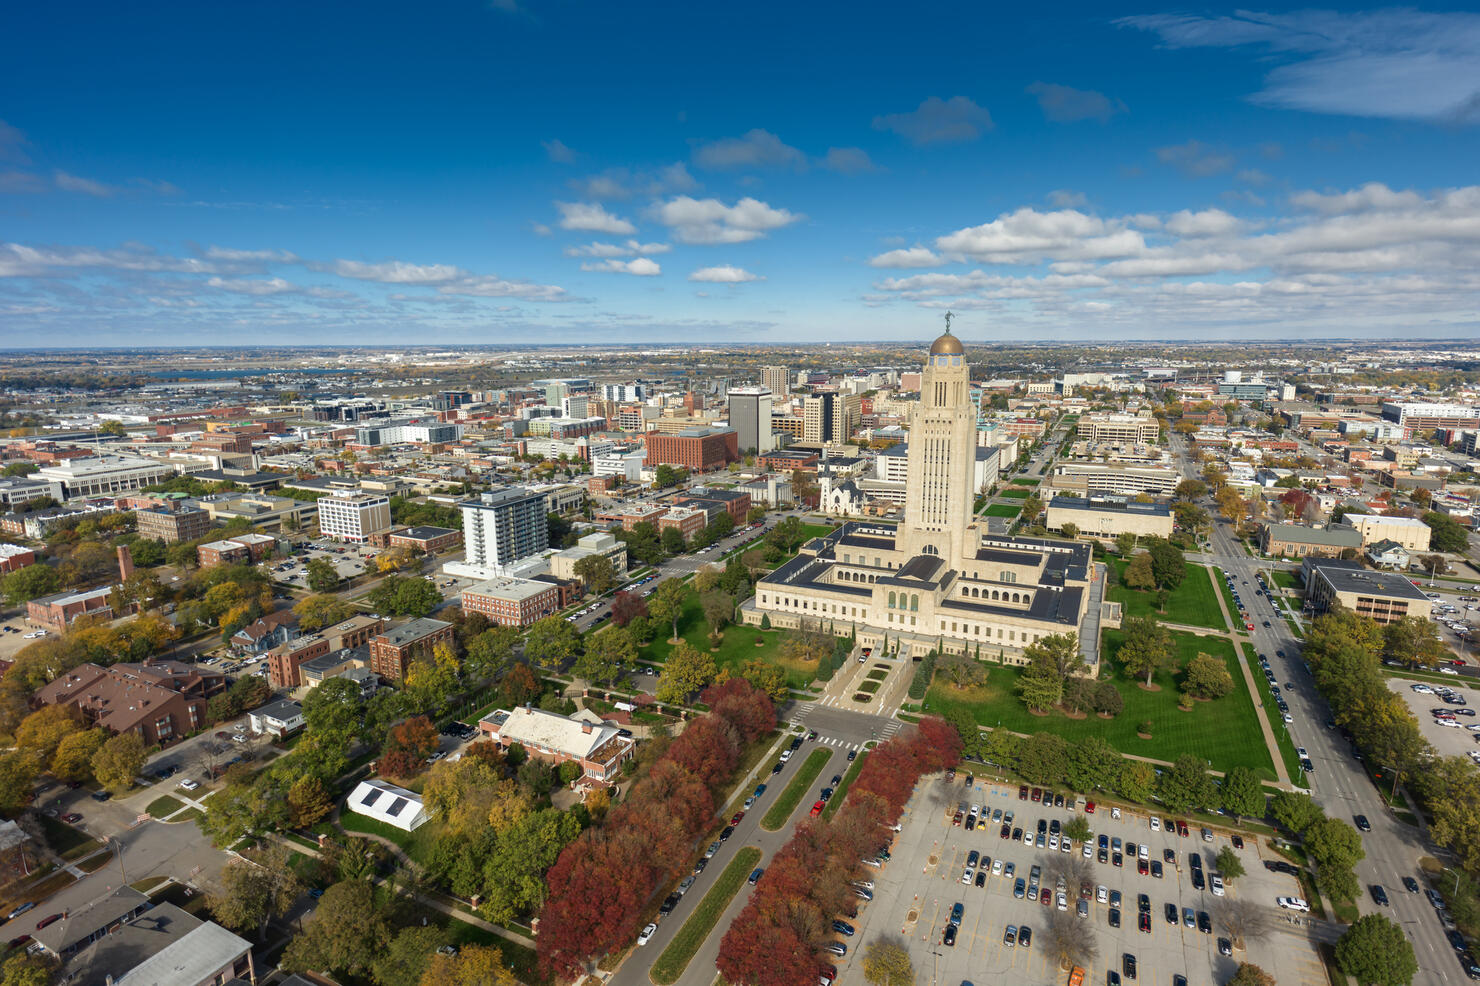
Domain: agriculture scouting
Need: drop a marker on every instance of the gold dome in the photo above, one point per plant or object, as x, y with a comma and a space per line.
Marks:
947, 345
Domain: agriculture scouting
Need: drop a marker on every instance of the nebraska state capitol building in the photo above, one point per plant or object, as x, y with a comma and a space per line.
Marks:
938, 580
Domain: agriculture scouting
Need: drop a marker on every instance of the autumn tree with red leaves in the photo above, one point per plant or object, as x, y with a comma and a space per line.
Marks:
626, 607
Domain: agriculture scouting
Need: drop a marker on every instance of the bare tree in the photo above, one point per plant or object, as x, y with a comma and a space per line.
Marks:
1242, 919
210, 754
1068, 942
1070, 869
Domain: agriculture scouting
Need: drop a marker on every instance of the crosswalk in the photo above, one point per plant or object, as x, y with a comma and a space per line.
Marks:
886, 729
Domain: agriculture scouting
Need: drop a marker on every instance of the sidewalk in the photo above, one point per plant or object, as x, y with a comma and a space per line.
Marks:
1282, 775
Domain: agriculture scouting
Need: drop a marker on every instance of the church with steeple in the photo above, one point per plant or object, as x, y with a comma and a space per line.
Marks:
939, 580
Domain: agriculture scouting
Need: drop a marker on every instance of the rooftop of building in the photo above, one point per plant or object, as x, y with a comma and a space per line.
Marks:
412, 631
425, 532
1110, 504
508, 587
582, 735
1334, 537
1351, 577
282, 710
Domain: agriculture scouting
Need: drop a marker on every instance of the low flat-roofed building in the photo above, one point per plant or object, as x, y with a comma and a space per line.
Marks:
164, 946
429, 540
563, 563
277, 718
57, 612
13, 558
1300, 541
384, 802
597, 746
1410, 532
1382, 596
512, 602
1105, 517
262, 510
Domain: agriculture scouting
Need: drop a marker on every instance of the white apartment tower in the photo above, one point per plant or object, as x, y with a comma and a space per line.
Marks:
504, 527
354, 516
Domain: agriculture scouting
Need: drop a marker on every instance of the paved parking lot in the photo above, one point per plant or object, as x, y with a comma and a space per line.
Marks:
915, 892
1450, 741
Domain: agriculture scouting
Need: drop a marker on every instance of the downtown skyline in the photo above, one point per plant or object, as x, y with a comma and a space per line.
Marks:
507, 172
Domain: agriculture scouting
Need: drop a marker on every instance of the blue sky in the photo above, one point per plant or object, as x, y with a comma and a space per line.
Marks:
566, 171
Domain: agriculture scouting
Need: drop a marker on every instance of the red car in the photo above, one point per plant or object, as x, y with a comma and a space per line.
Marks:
72, 818
1022, 792
47, 920
1181, 828
1045, 897
736, 820
1089, 807
1143, 867
817, 808
1037, 795
954, 821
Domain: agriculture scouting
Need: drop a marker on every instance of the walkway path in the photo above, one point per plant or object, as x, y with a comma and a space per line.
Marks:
1259, 711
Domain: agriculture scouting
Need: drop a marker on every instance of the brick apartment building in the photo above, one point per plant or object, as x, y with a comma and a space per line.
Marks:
428, 540
393, 650
169, 523
695, 449
284, 660
512, 602
735, 502
242, 548
133, 698
688, 521
57, 612
13, 558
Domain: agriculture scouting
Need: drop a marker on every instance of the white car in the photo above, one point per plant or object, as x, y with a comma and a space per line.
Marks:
189, 785
1155, 824
1089, 851
1422, 689
647, 934
1217, 884
1114, 812
1446, 669
1293, 904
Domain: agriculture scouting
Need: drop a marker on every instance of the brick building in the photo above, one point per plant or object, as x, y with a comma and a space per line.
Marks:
597, 746
284, 660
393, 650
13, 558
170, 523
735, 502
241, 548
695, 449
688, 521
124, 699
57, 612
428, 540
512, 602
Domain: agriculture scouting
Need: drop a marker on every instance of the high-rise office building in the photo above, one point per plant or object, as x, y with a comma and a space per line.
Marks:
830, 417
504, 527
750, 416
776, 379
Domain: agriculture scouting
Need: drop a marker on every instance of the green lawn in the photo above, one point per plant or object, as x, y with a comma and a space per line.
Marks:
1227, 593
675, 958
1025, 481
737, 647
1002, 510
1192, 603
415, 843
1266, 698
1285, 579
1016, 494
522, 960
164, 805
787, 801
1224, 732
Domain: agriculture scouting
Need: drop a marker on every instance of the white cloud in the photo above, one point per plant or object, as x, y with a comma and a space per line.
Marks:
20, 182
916, 256
675, 178
755, 149
558, 152
848, 161
86, 186
606, 186
18, 260
1370, 197
642, 267
263, 256
1392, 63
266, 287
13, 145
629, 249
392, 271
593, 218
1064, 198
1064, 104
1028, 234
724, 274
711, 221
621, 183
1209, 222
492, 286
939, 121
1195, 159
156, 186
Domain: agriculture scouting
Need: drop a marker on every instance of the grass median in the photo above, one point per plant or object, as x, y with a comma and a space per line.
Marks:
700, 924
806, 776
848, 777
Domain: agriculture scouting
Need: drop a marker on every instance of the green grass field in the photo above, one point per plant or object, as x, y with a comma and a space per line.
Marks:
1016, 494
65, 841
1007, 510
164, 805
1272, 712
1224, 732
1285, 579
1025, 481
676, 957
1192, 603
1227, 593
787, 801
737, 647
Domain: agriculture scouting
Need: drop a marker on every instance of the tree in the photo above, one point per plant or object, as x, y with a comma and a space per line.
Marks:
1138, 573
73, 758
1107, 699
1207, 677
1069, 530
321, 575
346, 933
686, 671
416, 736
666, 603
491, 651
551, 641
1065, 942
628, 606
1168, 564
1445, 533
119, 760
18, 770
308, 801
1414, 641
42, 731
473, 965
1334, 843
767, 677
407, 956
1295, 811
321, 610
1243, 795
1041, 686
1191, 489
333, 712
1187, 785
1146, 647
253, 892
1249, 974
401, 595
718, 609
596, 574
31, 582
1375, 951
961, 670
673, 541
24, 969
608, 651
1125, 543
1229, 865
887, 963
1077, 828
1043, 758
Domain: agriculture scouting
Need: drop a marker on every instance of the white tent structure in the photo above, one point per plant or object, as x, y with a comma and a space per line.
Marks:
387, 803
